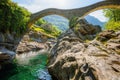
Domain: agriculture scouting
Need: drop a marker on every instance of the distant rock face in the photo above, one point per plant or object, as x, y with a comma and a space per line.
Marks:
33, 41
84, 30
73, 59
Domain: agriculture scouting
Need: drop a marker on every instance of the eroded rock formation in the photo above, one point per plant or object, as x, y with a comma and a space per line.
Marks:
32, 41
85, 30
74, 59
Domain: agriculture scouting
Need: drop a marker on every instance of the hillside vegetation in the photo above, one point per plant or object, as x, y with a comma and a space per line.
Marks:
114, 19
46, 28
13, 18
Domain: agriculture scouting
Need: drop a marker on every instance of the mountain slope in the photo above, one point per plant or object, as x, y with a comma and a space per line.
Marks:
95, 21
58, 21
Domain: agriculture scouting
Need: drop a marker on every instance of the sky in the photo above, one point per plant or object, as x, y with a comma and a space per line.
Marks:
38, 5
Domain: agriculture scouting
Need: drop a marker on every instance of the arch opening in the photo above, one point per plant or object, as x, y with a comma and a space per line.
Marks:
52, 25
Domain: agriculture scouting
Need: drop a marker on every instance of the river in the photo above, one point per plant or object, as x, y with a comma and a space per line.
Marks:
27, 68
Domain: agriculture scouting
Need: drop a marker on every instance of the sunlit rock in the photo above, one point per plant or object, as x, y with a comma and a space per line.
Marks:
72, 59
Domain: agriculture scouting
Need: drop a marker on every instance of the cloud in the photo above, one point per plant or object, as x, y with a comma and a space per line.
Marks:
38, 5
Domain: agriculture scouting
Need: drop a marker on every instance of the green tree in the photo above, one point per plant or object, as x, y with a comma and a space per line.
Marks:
114, 19
13, 17
40, 22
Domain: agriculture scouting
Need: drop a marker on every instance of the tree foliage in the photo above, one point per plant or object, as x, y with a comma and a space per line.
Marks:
40, 22
114, 19
13, 17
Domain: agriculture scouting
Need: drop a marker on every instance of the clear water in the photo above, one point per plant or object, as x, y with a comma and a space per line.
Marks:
32, 71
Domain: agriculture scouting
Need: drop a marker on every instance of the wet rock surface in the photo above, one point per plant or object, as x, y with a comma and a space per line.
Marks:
74, 59
43, 75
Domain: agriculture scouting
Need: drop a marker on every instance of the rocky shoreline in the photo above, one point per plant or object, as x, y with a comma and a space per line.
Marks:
10, 45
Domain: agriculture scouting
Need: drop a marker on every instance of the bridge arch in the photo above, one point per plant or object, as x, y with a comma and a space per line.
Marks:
46, 12
79, 12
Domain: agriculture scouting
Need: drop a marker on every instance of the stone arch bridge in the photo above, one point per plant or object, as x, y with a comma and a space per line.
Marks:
79, 12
